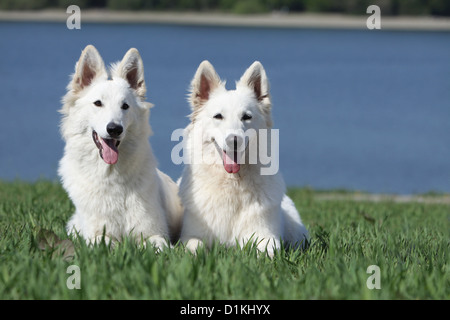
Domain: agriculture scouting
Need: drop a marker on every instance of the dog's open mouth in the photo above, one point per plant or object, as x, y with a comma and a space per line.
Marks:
231, 165
230, 160
107, 148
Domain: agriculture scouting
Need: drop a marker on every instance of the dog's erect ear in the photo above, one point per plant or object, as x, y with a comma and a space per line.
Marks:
89, 66
131, 68
204, 82
256, 79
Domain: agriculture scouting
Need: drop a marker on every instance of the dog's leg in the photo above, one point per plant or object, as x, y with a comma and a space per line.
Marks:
145, 219
262, 225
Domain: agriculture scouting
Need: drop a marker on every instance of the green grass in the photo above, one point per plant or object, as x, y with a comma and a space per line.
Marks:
408, 241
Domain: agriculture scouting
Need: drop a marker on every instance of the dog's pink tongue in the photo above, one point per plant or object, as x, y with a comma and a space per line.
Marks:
230, 165
110, 154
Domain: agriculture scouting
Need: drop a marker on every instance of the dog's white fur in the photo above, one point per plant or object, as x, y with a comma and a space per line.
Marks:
232, 207
130, 197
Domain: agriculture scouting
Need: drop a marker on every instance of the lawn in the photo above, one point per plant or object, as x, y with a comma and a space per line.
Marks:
409, 242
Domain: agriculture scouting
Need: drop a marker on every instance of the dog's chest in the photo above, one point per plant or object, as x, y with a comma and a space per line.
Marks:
225, 205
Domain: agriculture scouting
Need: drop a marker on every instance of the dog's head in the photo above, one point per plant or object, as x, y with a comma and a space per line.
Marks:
104, 106
226, 116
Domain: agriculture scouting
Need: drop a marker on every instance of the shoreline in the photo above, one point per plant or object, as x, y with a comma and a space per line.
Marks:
337, 194
270, 20
373, 197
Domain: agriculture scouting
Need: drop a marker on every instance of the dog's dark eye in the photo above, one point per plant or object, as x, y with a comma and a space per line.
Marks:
218, 116
98, 103
246, 117
125, 106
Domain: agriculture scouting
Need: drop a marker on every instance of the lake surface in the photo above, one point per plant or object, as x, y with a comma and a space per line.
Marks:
363, 110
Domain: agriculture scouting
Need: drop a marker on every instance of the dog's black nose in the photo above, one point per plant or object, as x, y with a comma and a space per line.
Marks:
114, 130
234, 142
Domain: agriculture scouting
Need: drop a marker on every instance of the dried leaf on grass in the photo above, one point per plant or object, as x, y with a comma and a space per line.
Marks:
47, 240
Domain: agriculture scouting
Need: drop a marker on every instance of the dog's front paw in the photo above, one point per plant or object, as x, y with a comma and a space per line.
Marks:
158, 242
193, 244
268, 246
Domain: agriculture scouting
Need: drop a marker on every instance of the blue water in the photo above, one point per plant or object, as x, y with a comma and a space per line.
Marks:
365, 110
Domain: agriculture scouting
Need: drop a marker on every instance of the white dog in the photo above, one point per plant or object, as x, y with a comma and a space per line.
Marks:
226, 199
108, 168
